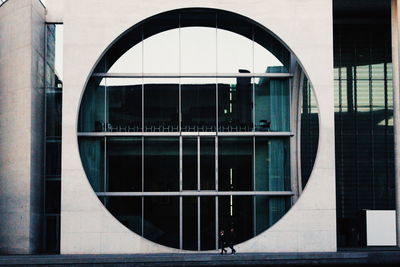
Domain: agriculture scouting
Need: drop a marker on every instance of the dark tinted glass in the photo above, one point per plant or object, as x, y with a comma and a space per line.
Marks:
161, 164
235, 104
53, 196
272, 159
272, 112
198, 105
124, 164
189, 162
269, 210
363, 125
236, 212
161, 220
207, 223
124, 105
190, 225
235, 163
92, 110
92, 155
161, 105
128, 210
207, 163
53, 158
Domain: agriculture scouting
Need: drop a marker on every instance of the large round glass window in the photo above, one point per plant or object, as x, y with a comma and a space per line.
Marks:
187, 125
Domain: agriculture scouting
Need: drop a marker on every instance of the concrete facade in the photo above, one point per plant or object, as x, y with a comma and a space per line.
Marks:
22, 25
86, 225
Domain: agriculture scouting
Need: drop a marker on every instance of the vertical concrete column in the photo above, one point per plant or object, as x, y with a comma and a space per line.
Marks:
396, 109
22, 30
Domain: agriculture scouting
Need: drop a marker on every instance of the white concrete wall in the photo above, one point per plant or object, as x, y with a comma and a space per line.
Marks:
21, 125
89, 28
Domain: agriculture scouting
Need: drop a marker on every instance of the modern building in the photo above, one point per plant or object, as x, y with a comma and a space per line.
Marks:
150, 126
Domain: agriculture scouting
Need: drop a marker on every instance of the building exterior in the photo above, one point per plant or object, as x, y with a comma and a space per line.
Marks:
171, 121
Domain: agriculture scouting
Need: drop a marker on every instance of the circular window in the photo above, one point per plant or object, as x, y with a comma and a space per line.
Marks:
187, 125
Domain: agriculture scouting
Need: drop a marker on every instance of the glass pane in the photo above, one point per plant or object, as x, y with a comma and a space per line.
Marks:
269, 53
161, 164
236, 212
235, 163
189, 162
161, 105
198, 105
53, 111
378, 71
161, 58
207, 223
235, 104
198, 46
53, 196
207, 163
53, 158
124, 105
52, 233
272, 112
235, 51
272, 164
268, 211
161, 51
124, 164
161, 220
189, 220
128, 211
309, 130
126, 56
92, 155
91, 113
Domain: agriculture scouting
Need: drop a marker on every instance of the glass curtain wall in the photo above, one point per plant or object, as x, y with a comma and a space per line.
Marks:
53, 104
195, 133
364, 125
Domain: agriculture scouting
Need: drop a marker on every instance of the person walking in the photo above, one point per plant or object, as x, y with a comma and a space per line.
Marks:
231, 240
222, 242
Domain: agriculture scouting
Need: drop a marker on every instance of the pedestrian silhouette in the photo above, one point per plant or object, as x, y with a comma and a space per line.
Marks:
231, 240
222, 242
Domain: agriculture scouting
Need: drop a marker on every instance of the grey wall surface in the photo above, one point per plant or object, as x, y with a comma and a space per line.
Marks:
21, 125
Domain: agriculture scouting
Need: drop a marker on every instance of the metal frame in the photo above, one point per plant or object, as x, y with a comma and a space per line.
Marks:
197, 193
191, 75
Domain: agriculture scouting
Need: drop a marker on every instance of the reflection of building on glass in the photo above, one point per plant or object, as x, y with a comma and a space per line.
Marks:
216, 145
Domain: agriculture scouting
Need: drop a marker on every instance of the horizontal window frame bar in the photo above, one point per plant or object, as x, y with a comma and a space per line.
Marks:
191, 75
197, 193
177, 134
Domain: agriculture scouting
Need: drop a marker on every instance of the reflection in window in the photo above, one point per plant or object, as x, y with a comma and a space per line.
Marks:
269, 210
92, 155
272, 110
198, 105
124, 105
92, 111
235, 104
271, 164
161, 105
